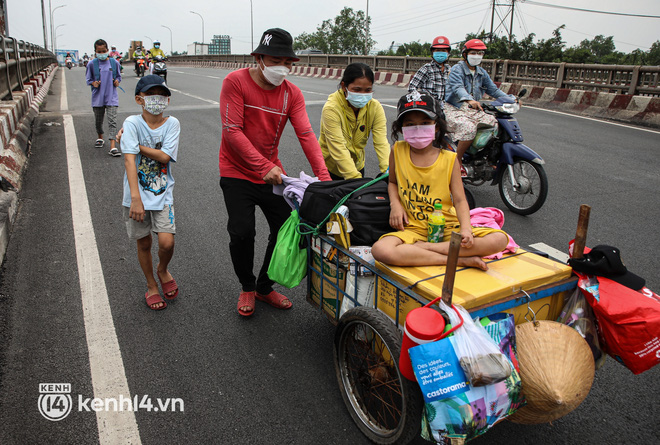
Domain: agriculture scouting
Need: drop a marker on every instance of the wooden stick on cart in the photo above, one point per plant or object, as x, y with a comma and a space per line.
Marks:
581, 232
450, 273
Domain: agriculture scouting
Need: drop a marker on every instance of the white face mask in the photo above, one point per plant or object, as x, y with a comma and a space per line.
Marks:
474, 59
155, 104
274, 74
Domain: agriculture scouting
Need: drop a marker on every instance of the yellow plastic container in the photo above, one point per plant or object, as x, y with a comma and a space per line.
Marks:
500, 289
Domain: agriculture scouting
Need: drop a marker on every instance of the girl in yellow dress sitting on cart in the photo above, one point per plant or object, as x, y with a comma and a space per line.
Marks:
422, 173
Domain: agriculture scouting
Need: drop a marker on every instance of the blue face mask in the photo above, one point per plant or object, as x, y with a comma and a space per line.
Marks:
440, 56
358, 100
101, 56
156, 46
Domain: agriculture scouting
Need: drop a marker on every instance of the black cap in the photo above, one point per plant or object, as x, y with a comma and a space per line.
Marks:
417, 100
151, 81
276, 42
605, 261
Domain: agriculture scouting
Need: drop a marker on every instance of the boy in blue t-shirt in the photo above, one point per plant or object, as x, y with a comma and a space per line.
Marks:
150, 143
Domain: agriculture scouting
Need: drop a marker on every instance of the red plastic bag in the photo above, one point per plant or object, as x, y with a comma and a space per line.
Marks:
628, 320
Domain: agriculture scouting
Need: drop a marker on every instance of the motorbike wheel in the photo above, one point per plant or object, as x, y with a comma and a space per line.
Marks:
469, 197
532, 190
141, 74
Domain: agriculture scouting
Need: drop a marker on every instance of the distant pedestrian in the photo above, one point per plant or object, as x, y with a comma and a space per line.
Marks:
255, 105
104, 76
150, 143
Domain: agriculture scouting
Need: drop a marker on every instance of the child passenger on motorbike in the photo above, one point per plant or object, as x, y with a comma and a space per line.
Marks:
423, 173
467, 84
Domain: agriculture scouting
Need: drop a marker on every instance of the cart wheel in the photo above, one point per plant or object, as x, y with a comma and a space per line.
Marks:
385, 405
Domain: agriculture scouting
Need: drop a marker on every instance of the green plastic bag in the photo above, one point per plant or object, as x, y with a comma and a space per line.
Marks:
288, 265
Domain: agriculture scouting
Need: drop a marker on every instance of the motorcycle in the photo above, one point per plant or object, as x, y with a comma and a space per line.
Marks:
69, 63
160, 68
85, 61
141, 67
499, 155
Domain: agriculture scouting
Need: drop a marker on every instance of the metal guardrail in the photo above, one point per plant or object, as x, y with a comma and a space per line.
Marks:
19, 62
623, 79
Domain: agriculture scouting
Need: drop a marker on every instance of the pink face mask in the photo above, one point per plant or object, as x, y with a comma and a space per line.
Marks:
419, 136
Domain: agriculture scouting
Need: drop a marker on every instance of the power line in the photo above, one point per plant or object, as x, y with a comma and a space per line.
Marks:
422, 24
424, 16
530, 2
584, 33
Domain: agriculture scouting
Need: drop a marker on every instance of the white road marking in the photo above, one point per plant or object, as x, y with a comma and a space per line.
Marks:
195, 97
314, 92
387, 105
596, 120
193, 74
64, 102
105, 362
554, 253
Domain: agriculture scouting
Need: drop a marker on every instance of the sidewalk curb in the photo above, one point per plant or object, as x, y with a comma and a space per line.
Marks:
638, 110
16, 118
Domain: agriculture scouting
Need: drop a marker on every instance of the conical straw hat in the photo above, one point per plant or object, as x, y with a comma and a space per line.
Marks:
556, 370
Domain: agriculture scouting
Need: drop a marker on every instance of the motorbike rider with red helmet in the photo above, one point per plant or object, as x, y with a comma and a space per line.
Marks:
467, 84
433, 76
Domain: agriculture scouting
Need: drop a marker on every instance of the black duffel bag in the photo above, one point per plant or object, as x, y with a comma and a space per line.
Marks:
368, 207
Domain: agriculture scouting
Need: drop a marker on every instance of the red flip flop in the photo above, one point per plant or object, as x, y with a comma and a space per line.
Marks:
153, 299
275, 299
246, 299
169, 287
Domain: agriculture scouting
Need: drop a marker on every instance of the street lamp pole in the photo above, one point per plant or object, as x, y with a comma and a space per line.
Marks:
43, 19
152, 41
56, 36
200, 16
52, 30
251, 27
171, 46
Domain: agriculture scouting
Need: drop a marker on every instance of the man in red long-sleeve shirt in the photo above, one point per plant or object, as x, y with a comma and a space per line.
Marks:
255, 105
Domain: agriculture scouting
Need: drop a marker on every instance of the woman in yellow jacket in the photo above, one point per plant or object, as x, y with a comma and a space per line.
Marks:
348, 117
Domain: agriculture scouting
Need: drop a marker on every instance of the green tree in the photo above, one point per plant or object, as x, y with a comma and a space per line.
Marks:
550, 50
414, 49
345, 34
654, 54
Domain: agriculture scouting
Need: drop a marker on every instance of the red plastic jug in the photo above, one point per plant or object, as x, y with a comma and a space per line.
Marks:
423, 325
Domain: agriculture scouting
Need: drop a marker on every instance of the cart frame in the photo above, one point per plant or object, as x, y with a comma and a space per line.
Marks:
385, 406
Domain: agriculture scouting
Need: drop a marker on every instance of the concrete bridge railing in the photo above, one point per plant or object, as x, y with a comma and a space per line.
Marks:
622, 79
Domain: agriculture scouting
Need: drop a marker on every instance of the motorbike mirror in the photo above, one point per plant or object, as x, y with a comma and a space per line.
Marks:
522, 92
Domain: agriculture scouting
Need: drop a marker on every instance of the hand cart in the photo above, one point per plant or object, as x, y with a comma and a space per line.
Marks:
386, 406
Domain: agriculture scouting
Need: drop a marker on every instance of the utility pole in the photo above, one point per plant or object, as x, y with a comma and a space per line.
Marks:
513, 5
492, 19
366, 41
502, 16
4, 22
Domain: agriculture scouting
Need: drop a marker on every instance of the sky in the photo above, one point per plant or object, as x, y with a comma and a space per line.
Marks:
399, 21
